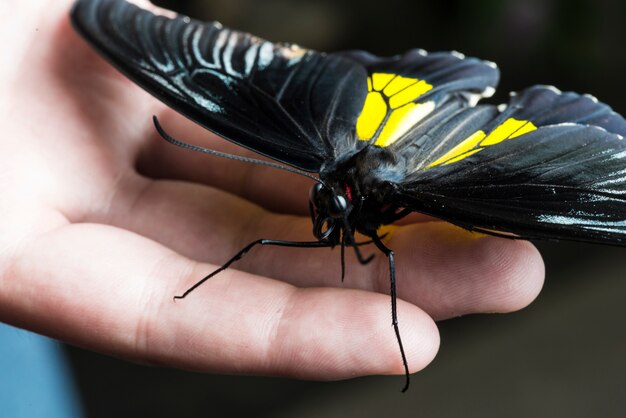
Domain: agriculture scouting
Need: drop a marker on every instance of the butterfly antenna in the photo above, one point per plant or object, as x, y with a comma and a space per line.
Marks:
185, 145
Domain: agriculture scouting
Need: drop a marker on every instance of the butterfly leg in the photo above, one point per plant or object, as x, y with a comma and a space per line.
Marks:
355, 245
348, 239
394, 310
244, 251
343, 259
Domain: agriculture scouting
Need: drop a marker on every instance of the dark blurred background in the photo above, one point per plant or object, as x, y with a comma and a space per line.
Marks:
564, 356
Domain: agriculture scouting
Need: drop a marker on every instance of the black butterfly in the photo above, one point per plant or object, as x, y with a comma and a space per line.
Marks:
386, 136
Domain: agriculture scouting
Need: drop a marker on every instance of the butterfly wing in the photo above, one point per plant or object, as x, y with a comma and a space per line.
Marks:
291, 104
549, 165
273, 99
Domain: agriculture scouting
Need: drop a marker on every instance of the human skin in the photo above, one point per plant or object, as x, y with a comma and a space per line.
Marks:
103, 223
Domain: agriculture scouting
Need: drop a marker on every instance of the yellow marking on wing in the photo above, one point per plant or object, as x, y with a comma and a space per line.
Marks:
391, 101
380, 80
508, 129
463, 156
373, 114
478, 141
467, 145
398, 84
409, 94
401, 120
526, 128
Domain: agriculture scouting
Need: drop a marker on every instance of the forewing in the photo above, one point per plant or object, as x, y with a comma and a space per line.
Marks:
277, 99
550, 165
295, 105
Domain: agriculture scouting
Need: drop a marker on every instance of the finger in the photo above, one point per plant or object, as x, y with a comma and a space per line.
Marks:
111, 291
443, 269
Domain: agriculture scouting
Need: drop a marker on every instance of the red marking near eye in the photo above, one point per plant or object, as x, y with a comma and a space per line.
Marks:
349, 193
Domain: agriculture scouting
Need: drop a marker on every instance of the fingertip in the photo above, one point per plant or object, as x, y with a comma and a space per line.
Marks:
423, 340
455, 272
519, 276
418, 331
352, 336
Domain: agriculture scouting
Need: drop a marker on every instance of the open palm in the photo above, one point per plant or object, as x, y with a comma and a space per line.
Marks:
103, 223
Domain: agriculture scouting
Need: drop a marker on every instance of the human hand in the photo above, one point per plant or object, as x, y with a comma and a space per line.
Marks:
103, 223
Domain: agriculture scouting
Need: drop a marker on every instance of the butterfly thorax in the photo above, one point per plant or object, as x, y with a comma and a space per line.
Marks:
355, 194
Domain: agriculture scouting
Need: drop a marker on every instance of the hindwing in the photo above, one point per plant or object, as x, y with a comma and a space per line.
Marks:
547, 165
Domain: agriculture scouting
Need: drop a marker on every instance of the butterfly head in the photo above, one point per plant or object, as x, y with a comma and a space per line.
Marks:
329, 212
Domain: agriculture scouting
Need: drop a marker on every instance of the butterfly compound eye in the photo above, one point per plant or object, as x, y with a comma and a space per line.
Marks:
337, 207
